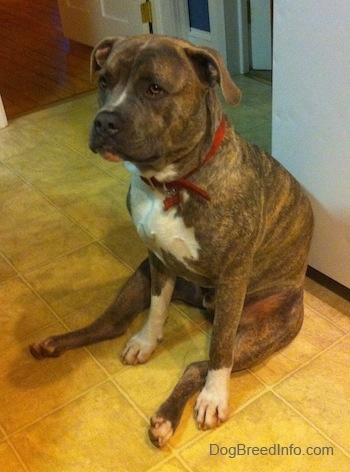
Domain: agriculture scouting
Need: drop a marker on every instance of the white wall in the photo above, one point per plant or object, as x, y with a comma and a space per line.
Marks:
311, 118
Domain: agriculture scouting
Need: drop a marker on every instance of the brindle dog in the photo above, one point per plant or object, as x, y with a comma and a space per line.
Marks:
227, 227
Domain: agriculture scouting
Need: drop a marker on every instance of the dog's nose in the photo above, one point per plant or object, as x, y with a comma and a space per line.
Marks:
107, 122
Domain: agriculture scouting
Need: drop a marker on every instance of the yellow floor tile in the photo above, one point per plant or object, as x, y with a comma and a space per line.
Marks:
108, 353
243, 387
321, 392
6, 271
99, 431
173, 465
92, 197
316, 335
266, 423
17, 320
32, 231
9, 182
20, 136
38, 242
113, 168
83, 102
71, 125
203, 319
150, 384
103, 212
324, 298
119, 242
9, 460
15, 204
77, 279
30, 389
339, 317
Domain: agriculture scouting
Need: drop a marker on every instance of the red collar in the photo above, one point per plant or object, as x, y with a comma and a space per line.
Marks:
172, 188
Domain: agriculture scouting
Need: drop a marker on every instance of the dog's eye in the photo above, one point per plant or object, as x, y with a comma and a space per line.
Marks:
154, 89
102, 82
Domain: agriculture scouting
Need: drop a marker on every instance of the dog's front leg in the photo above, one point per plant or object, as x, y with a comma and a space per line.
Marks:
140, 347
212, 406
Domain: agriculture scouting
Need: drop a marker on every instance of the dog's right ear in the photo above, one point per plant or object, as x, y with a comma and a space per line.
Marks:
100, 53
211, 69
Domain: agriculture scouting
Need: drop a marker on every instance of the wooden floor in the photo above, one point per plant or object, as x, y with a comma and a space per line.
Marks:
38, 66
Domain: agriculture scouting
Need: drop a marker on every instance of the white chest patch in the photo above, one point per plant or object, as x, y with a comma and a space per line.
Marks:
162, 231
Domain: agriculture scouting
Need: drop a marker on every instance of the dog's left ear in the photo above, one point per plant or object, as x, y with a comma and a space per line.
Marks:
100, 53
211, 69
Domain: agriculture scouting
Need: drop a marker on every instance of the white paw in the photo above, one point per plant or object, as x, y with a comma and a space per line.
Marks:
210, 410
138, 350
212, 403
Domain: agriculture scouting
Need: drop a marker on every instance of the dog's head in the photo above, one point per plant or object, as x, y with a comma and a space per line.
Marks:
157, 99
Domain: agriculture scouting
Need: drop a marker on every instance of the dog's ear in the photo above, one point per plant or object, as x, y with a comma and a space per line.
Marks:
100, 53
211, 69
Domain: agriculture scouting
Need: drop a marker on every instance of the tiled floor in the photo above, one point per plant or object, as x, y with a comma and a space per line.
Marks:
66, 244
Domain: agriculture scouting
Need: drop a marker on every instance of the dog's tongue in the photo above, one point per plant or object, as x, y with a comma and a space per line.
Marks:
111, 157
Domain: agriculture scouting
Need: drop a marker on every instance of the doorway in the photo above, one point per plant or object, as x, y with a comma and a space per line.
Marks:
38, 65
260, 38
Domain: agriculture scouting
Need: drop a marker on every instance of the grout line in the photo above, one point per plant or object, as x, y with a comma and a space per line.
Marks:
309, 361
56, 137
165, 461
109, 250
238, 410
313, 425
9, 442
56, 409
94, 239
32, 289
48, 199
127, 397
182, 461
324, 317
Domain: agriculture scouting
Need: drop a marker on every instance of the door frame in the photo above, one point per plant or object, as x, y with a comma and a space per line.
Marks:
172, 18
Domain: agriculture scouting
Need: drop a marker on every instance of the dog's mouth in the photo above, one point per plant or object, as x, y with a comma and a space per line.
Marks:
106, 152
109, 156
116, 156
116, 147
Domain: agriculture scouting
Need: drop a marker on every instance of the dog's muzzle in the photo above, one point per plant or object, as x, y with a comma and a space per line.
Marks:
105, 132
107, 124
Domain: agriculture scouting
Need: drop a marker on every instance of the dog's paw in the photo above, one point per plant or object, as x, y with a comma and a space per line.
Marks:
211, 410
160, 431
45, 348
138, 350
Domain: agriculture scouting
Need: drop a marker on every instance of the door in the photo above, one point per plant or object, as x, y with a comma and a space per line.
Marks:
89, 21
202, 22
261, 45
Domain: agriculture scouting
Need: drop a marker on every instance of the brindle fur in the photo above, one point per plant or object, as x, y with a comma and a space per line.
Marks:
254, 233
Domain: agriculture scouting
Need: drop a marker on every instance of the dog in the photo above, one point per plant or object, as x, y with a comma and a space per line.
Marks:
228, 229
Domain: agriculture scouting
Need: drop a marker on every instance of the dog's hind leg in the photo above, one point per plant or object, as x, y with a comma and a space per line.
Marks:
132, 299
269, 322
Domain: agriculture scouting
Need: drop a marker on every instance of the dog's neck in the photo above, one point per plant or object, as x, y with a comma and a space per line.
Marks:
172, 188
